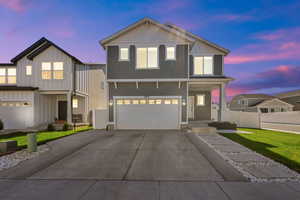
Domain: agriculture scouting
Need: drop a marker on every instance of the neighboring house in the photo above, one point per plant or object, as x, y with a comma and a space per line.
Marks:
160, 76
44, 84
292, 97
259, 103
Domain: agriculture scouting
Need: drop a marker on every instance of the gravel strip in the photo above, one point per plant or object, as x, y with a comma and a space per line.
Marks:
254, 166
14, 159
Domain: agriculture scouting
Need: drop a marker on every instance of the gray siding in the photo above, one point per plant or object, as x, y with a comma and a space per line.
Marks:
167, 68
81, 81
202, 112
148, 89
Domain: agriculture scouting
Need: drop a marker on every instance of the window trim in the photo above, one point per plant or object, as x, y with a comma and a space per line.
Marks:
147, 68
166, 53
213, 72
197, 101
26, 67
128, 54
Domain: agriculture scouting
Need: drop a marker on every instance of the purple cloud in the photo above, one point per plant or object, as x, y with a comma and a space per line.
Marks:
15, 5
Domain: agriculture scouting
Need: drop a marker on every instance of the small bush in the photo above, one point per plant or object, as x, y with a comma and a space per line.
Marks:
223, 125
1, 125
66, 127
50, 127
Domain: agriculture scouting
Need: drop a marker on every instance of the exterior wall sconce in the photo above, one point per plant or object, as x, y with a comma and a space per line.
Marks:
111, 102
183, 102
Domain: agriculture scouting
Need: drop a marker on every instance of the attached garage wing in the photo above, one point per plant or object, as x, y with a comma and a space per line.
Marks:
147, 113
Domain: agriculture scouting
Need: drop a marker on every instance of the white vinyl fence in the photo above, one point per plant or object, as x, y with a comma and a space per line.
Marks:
284, 121
243, 119
100, 118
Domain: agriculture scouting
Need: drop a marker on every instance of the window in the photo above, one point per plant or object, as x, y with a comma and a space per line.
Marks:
203, 65
2, 75
119, 102
170, 55
11, 75
75, 103
28, 70
200, 100
135, 101
124, 54
146, 58
58, 70
264, 110
151, 101
158, 101
175, 101
46, 71
142, 101
167, 101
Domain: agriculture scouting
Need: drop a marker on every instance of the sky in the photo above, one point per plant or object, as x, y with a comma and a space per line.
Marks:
263, 36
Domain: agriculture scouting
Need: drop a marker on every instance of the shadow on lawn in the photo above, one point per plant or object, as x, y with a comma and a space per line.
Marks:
264, 149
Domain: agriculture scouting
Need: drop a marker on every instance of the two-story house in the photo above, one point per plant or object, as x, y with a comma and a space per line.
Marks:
44, 84
160, 76
261, 103
291, 97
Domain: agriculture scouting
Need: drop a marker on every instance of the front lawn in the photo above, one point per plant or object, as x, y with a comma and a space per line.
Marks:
279, 146
43, 137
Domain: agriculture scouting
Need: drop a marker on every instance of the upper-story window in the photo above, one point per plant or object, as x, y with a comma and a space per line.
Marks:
57, 68
147, 58
46, 71
124, 54
170, 53
203, 65
8, 75
28, 70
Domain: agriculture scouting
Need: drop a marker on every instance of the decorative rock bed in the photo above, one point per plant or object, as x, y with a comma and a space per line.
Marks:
254, 166
14, 159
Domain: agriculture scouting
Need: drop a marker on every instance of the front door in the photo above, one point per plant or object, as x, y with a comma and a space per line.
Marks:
62, 110
191, 105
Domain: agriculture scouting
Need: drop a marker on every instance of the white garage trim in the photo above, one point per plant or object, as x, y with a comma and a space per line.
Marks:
174, 122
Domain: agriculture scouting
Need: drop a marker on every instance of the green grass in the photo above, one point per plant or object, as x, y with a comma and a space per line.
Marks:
279, 146
43, 137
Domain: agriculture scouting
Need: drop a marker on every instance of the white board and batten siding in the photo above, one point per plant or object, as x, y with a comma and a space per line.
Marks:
52, 54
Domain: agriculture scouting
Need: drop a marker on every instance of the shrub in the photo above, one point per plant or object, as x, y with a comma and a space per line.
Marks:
66, 127
223, 125
50, 127
1, 125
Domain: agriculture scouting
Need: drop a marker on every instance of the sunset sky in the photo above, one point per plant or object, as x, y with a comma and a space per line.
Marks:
263, 36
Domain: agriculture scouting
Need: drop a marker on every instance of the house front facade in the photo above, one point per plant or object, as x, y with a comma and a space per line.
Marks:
45, 84
160, 76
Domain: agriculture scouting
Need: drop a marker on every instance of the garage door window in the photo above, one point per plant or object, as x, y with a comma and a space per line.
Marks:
119, 102
158, 101
151, 101
175, 101
168, 101
143, 101
14, 104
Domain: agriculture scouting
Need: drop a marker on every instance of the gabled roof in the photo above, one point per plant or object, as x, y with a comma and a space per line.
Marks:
37, 48
7, 64
258, 96
168, 28
269, 100
288, 94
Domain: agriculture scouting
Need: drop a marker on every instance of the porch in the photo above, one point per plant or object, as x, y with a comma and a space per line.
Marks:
64, 107
200, 100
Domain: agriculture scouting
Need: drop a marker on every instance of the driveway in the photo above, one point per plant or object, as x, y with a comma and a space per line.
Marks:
135, 155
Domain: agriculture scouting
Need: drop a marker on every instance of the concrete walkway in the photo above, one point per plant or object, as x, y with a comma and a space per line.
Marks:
134, 165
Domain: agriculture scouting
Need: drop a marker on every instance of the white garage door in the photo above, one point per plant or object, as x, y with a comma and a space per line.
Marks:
154, 113
16, 115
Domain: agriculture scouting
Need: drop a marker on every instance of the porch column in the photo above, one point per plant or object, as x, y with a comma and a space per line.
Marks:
69, 109
222, 102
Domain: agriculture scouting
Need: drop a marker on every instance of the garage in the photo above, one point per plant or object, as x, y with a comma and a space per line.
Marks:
16, 109
147, 113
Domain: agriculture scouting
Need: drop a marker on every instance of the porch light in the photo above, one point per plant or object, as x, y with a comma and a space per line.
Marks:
111, 102
183, 102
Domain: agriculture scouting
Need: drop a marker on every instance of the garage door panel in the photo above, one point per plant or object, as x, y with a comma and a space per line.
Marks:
16, 117
147, 116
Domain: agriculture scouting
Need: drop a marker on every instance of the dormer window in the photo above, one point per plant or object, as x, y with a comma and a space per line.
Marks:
124, 54
170, 53
203, 65
147, 58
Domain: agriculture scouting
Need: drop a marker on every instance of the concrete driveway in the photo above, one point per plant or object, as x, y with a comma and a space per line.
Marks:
135, 155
